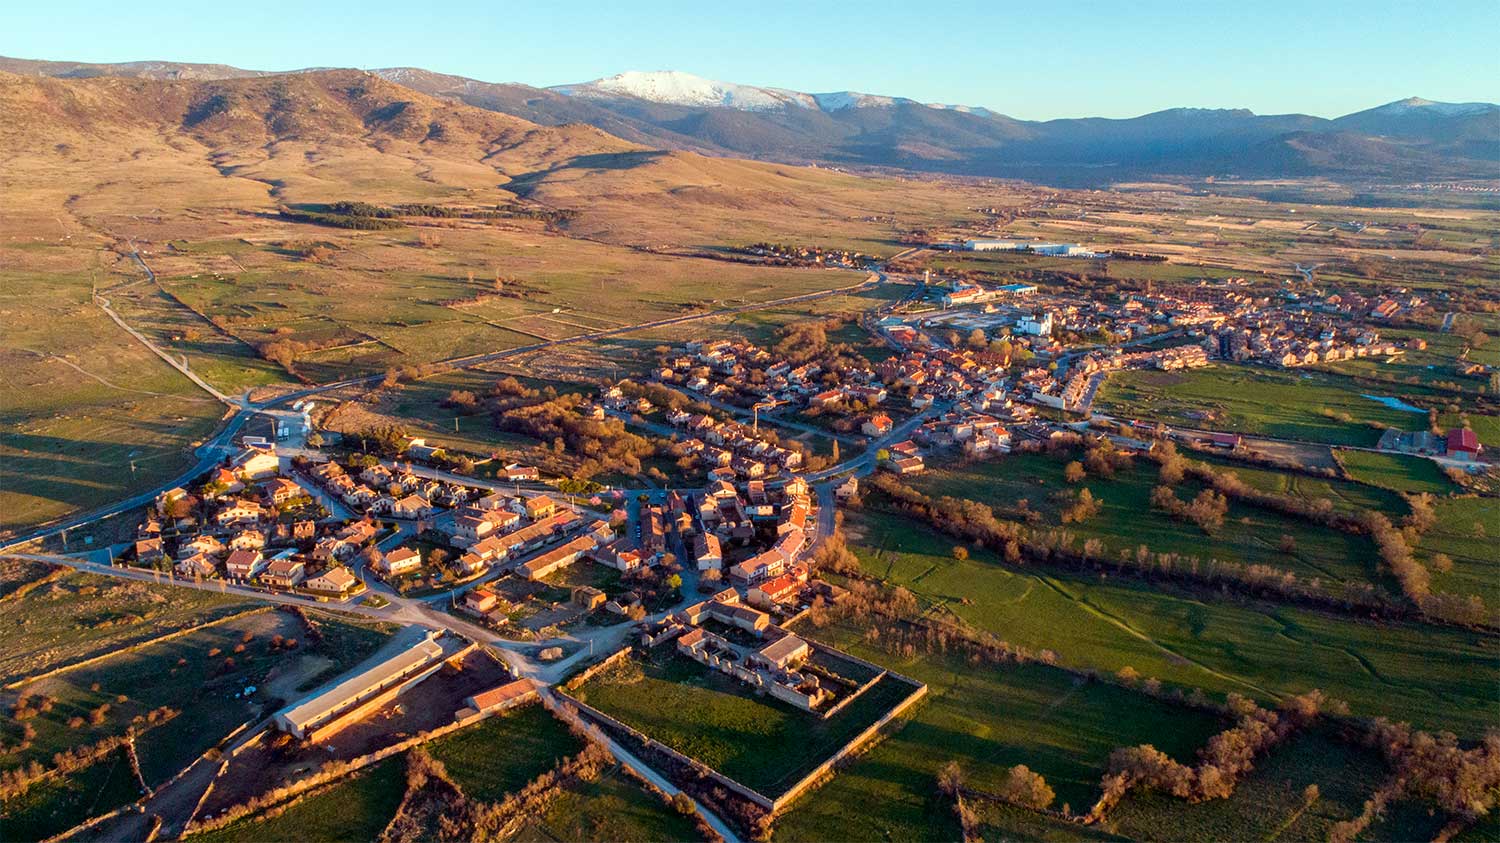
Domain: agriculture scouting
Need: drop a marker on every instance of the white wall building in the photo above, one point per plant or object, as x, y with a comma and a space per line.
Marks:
1036, 324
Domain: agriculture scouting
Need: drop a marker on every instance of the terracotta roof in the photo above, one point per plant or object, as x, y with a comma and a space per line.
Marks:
503, 694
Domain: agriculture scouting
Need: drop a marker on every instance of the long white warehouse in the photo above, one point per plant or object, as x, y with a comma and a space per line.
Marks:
324, 708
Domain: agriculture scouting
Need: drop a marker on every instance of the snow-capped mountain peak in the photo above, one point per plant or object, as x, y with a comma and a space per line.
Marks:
840, 100
673, 87
1412, 105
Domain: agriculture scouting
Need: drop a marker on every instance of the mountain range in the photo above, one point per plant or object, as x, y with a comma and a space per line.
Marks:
1411, 139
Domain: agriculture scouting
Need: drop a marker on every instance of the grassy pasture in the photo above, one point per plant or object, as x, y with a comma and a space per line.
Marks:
501, 754
1250, 535
83, 405
85, 615
758, 741
614, 808
988, 719
199, 674
353, 810
1268, 804
56, 805
1465, 531
1286, 404
1398, 472
1347, 497
1433, 677
380, 299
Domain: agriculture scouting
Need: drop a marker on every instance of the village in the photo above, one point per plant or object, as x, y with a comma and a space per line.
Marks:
713, 569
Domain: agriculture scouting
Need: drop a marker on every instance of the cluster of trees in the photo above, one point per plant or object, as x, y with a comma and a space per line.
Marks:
806, 341
1207, 510
1394, 546
1226, 758
1085, 507
334, 220
599, 445
284, 352
1463, 782
950, 783
1393, 543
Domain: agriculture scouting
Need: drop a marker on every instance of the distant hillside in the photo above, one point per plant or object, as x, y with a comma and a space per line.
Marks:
1405, 140
348, 106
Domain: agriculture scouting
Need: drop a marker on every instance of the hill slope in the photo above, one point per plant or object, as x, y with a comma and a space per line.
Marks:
1408, 139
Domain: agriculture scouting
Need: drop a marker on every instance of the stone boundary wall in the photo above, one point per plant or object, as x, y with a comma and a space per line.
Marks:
816, 775
776, 805
133, 647
779, 803
747, 792
854, 696
596, 668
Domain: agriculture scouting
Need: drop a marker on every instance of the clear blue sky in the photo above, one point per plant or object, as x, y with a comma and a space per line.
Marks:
1031, 60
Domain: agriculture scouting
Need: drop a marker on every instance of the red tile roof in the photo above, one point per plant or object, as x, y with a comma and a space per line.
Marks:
1463, 439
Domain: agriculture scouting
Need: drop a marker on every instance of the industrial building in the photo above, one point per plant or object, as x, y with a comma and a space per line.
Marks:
337, 705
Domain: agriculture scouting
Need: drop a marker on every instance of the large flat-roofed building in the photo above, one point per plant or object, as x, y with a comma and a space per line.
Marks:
313, 716
994, 245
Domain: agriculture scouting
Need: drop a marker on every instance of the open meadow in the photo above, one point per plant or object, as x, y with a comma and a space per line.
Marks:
1397, 472
987, 718
56, 617
354, 809
1465, 533
1311, 406
1435, 677
501, 754
613, 808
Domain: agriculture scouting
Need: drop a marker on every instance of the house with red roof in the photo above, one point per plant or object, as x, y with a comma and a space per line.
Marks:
1463, 444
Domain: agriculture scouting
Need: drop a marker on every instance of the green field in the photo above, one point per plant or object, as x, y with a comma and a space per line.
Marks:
82, 405
1000, 822
1435, 677
57, 805
718, 720
1250, 536
1268, 804
353, 810
988, 719
1287, 404
614, 808
1408, 819
1466, 531
85, 615
1397, 472
501, 754
429, 307
1347, 497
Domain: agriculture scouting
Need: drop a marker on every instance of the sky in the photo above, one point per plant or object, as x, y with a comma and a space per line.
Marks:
1029, 60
